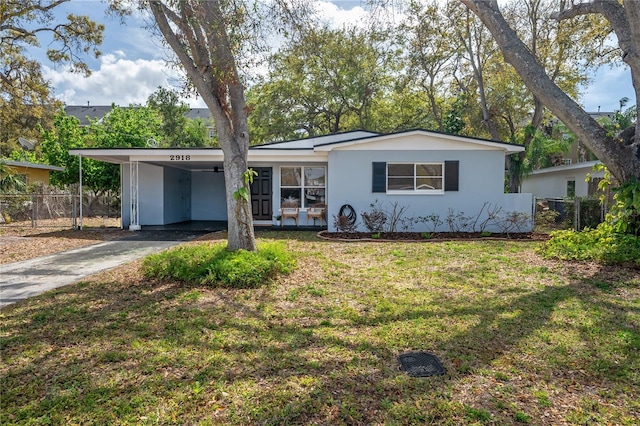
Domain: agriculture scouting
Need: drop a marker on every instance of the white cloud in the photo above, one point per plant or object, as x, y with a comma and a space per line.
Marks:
118, 80
134, 63
336, 17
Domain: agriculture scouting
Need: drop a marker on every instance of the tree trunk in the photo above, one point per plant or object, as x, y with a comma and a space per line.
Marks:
240, 229
203, 47
623, 161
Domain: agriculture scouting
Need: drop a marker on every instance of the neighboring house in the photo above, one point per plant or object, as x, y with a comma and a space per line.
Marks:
85, 114
427, 173
564, 181
568, 177
30, 172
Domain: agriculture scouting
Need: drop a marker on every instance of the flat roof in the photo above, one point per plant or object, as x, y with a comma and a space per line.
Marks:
32, 165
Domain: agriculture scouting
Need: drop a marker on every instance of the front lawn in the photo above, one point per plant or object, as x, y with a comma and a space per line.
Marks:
523, 339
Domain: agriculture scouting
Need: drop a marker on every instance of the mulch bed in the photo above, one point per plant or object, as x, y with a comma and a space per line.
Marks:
434, 236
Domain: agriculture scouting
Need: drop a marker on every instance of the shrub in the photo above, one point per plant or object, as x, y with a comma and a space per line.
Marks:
547, 220
374, 220
625, 213
214, 265
344, 224
602, 244
458, 222
433, 218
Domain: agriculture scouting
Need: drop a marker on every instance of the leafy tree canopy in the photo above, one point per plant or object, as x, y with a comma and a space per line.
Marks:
177, 130
131, 127
328, 81
25, 99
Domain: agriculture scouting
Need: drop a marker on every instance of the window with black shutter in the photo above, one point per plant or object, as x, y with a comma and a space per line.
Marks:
379, 177
434, 178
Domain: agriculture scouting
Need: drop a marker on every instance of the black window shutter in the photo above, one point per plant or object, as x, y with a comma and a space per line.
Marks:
451, 173
379, 177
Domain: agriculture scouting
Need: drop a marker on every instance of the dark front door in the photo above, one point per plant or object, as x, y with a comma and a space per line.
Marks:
261, 194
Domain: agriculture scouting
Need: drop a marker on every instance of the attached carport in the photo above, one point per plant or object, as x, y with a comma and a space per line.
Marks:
166, 186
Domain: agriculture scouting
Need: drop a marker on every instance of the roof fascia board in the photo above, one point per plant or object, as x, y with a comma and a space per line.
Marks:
143, 151
507, 147
27, 165
571, 167
312, 138
120, 156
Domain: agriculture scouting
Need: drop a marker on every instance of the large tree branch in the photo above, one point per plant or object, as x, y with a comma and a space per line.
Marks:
162, 14
21, 10
621, 160
226, 62
625, 21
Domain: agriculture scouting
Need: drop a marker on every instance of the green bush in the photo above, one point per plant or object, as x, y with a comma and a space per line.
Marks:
214, 265
602, 244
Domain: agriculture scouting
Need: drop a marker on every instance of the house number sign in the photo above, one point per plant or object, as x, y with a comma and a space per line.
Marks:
179, 157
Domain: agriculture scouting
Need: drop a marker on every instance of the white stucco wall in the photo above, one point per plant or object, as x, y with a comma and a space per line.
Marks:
481, 180
150, 194
177, 195
208, 199
552, 182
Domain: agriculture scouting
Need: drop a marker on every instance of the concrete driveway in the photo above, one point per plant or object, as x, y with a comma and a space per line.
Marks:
20, 280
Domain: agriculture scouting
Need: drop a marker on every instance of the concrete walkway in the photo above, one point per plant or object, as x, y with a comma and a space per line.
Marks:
20, 280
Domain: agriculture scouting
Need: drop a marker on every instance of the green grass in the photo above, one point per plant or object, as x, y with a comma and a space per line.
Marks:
524, 341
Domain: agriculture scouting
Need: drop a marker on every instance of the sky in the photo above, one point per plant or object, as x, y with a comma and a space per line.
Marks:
133, 64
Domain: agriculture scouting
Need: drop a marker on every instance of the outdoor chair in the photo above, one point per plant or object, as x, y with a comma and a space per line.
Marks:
289, 210
317, 211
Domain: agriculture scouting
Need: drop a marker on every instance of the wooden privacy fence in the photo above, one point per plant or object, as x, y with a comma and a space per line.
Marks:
61, 209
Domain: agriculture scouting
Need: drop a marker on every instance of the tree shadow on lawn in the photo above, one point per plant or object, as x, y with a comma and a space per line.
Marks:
98, 234
128, 348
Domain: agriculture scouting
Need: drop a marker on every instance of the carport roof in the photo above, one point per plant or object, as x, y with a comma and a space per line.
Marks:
125, 155
194, 159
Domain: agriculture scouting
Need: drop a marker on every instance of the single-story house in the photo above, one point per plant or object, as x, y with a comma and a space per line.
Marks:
424, 172
31, 172
564, 181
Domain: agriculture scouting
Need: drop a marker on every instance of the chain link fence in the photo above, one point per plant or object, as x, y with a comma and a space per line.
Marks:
59, 210
570, 213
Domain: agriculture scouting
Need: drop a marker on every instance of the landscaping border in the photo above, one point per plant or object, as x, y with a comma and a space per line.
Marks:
417, 237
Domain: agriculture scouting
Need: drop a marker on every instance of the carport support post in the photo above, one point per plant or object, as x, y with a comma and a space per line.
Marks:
134, 224
80, 190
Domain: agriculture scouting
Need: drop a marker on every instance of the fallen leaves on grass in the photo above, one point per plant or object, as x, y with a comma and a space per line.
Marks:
21, 244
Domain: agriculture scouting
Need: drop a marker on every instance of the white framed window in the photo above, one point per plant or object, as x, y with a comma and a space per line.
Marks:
415, 177
304, 185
